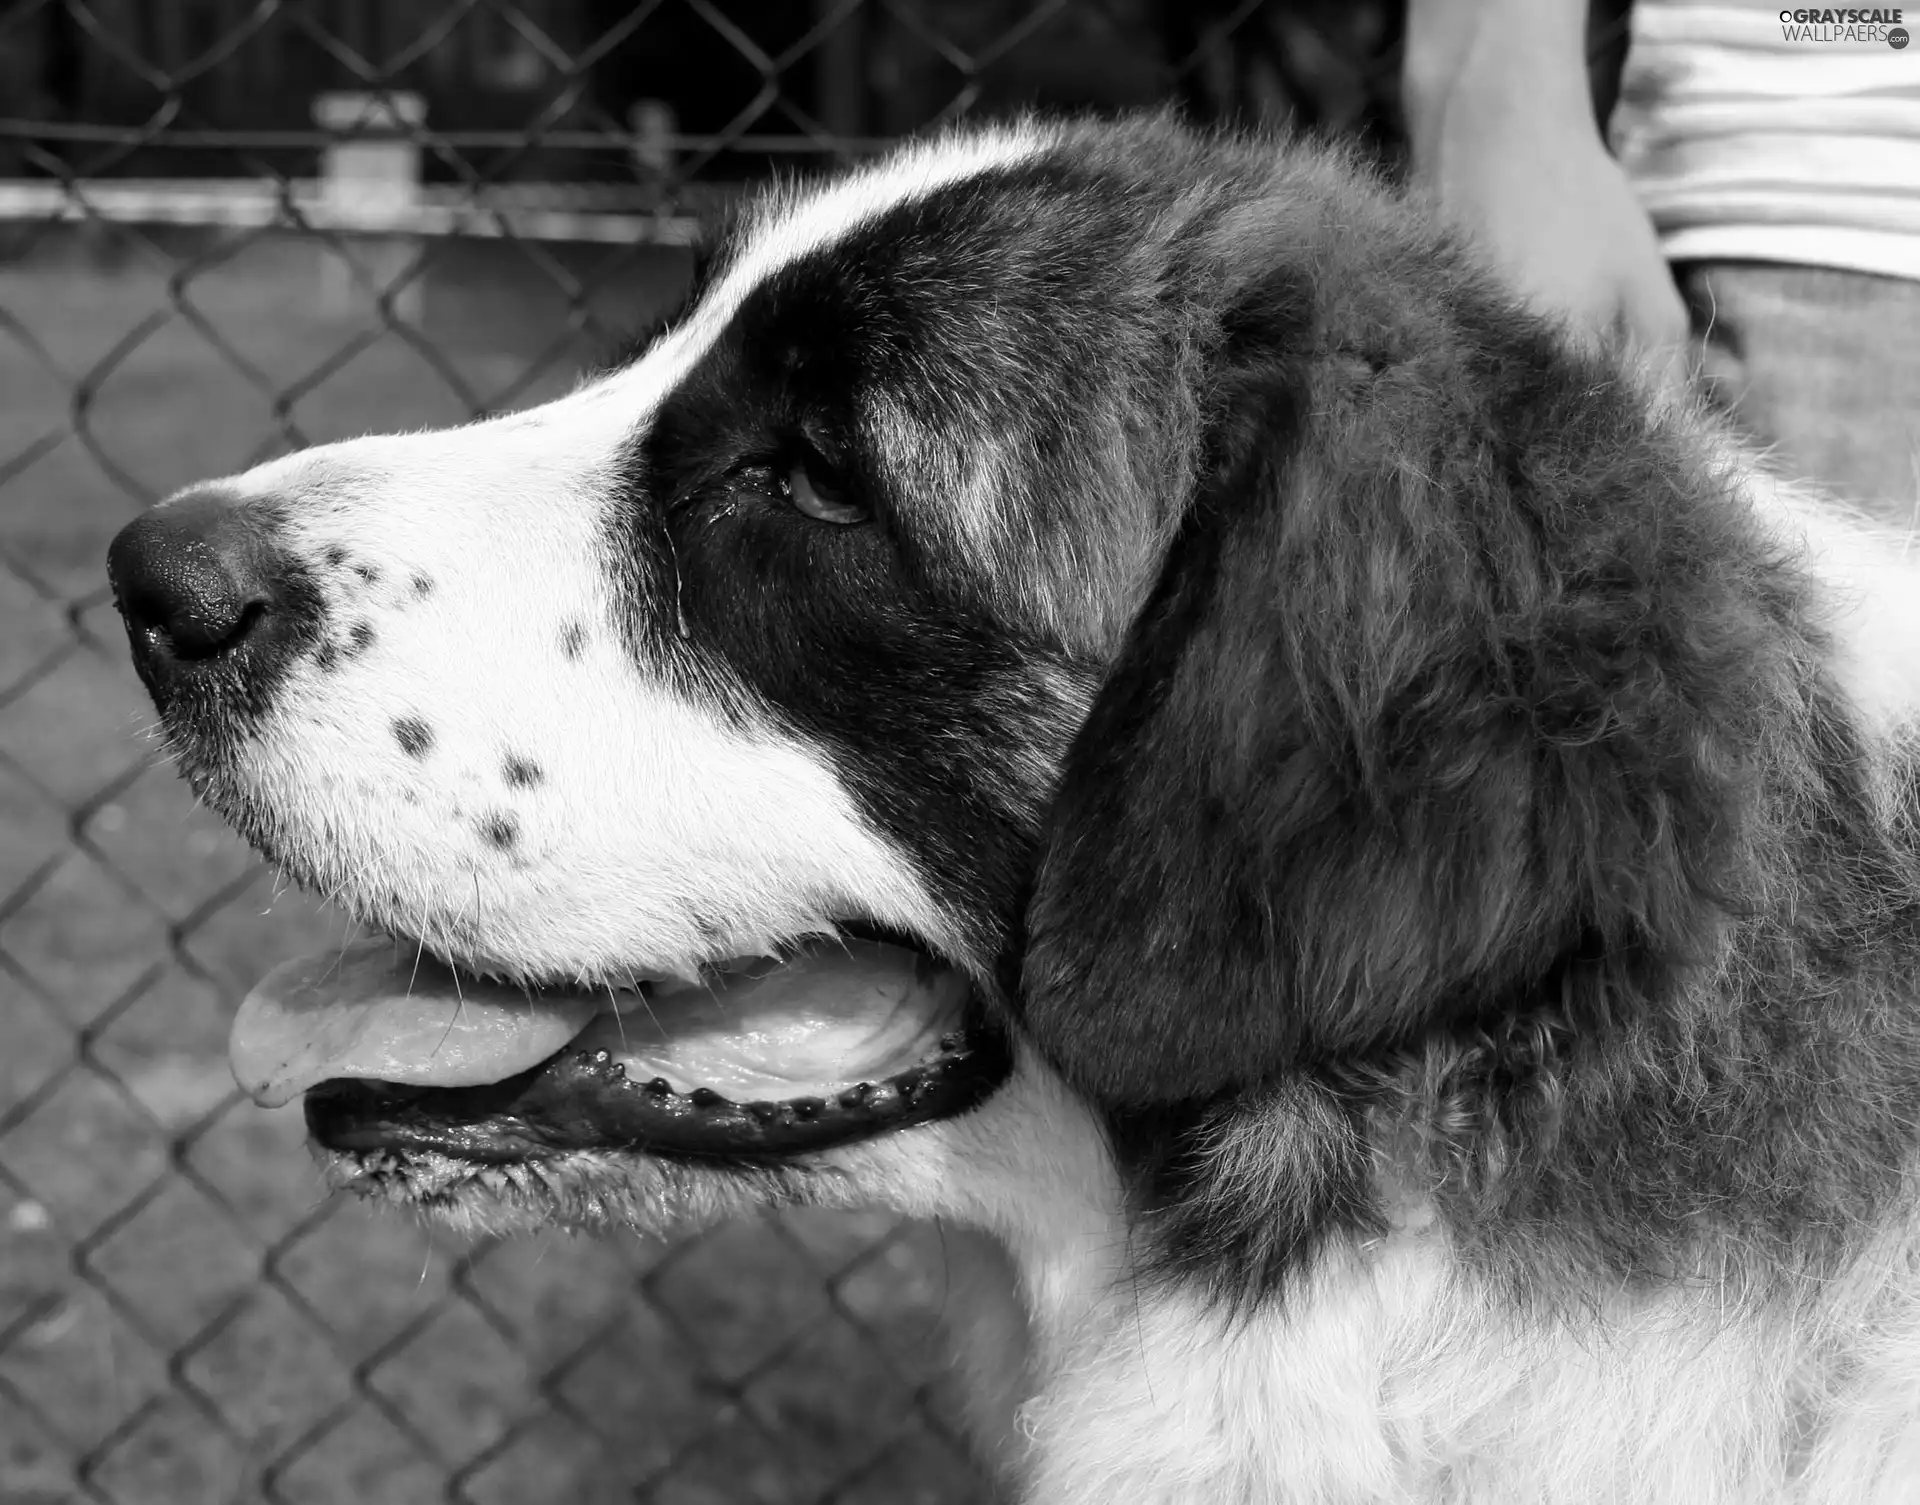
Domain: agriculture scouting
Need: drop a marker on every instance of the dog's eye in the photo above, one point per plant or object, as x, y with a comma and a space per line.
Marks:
814, 496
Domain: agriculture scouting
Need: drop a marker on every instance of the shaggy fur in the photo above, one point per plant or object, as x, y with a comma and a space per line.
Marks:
1439, 825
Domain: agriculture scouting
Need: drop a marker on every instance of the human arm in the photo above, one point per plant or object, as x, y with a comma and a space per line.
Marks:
1501, 126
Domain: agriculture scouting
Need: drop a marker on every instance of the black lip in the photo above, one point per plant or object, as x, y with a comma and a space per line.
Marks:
584, 1100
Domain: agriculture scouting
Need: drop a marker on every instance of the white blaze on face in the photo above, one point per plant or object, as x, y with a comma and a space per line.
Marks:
484, 763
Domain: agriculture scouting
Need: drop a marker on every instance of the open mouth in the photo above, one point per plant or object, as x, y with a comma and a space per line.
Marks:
761, 1058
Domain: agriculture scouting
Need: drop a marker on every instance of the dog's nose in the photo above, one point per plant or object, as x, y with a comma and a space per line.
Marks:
199, 581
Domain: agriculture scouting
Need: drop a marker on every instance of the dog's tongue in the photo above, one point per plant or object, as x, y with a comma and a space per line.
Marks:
377, 1012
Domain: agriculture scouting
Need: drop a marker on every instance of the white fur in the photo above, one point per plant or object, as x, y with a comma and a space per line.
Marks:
1873, 577
1392, 1379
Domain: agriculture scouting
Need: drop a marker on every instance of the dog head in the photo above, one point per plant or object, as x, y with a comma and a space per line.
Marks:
1077, 605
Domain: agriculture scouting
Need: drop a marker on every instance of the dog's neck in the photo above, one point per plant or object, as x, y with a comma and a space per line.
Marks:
1081, 1383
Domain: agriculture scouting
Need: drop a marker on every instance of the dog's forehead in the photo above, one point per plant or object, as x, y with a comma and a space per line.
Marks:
789, 228
792, 278
785, 229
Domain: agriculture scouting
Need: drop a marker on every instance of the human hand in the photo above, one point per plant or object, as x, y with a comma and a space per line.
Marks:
1512, 154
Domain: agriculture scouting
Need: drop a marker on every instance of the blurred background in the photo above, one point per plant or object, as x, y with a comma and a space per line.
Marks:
229, 229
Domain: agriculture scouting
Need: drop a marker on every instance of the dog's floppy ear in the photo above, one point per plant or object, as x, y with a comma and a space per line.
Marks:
1434, 699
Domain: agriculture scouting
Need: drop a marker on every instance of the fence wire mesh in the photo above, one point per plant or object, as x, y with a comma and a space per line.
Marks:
183, 1316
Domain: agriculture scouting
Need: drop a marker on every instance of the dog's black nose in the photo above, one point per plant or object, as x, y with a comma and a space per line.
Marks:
199, 581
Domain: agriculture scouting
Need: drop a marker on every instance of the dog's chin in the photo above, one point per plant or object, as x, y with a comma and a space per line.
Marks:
580, 1191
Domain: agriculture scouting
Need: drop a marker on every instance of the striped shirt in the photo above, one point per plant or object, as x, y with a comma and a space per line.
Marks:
1752, 136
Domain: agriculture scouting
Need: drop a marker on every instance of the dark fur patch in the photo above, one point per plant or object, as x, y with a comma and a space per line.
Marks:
422, 584
500, 830
359, 638
335, 555
521, 773
414, 736
573, 641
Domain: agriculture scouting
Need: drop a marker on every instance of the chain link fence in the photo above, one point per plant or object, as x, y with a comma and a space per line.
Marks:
200, 266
